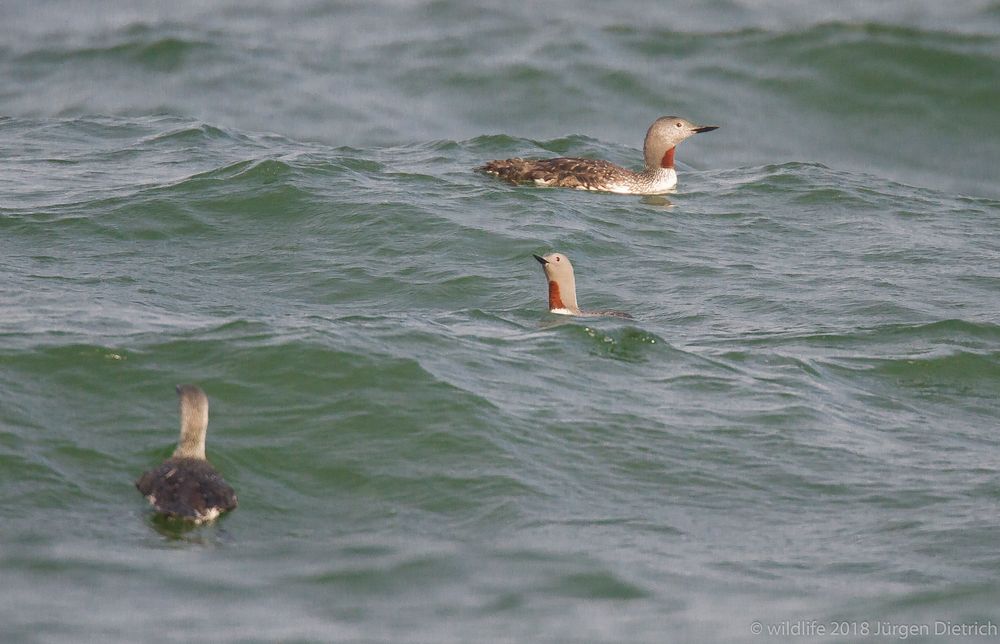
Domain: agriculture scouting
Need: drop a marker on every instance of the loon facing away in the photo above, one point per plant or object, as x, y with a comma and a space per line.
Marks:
186, 486
562, 288
658, 176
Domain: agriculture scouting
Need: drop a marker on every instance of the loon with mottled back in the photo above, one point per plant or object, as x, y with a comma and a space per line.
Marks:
657, 177
186, 486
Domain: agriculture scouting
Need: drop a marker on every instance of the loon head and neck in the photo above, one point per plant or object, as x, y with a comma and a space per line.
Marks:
662, 138
562, 283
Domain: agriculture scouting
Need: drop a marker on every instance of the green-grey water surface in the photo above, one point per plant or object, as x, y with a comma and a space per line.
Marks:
276, 201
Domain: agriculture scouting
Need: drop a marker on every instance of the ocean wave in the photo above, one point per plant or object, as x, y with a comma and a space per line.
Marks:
945, 374
143, 46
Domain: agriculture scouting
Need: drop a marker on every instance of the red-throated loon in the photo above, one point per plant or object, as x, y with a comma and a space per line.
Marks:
186, 486
658, 176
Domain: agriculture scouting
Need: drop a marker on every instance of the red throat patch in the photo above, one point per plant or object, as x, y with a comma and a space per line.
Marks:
668, 158
555, 300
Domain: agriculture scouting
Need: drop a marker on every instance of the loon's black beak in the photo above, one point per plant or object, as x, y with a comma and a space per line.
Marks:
541, 260
705, 128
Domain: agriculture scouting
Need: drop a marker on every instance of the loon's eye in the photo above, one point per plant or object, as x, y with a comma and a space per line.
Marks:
677, 124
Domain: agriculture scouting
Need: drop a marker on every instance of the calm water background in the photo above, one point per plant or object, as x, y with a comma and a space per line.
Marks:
275, 200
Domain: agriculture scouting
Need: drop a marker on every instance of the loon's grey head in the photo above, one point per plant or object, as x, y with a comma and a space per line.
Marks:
664, 135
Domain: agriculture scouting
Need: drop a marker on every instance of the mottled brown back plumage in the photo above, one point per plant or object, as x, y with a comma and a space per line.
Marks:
187, 488
561, 172
609, 314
